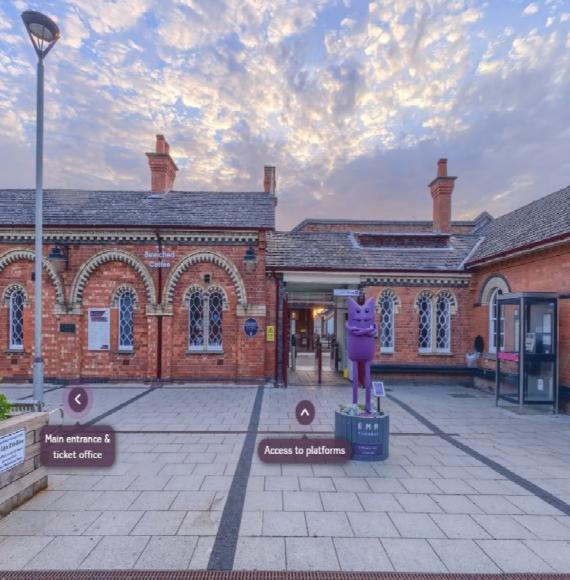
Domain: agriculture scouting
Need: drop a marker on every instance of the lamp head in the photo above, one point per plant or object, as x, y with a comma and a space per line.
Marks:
42, 30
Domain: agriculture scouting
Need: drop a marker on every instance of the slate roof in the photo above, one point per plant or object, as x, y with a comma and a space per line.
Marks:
341, 251
536, 222
422, 225
201, 209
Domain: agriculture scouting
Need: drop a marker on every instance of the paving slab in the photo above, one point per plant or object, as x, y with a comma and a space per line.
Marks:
63, 553
311, 554
412, 555
362, 555
260, 554
115, 553
463, 556
513, 556
167, 553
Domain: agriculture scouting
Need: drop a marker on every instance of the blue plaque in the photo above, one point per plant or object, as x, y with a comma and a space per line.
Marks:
250, 327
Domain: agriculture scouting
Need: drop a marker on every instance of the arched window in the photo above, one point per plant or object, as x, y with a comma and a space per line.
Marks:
126, 300
15, 299
425, 310
196, 319
215, 308
434, 321
443, 322
205, 318
493, 313
387, 307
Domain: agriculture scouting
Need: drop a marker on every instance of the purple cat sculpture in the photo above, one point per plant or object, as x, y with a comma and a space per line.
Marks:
362, 331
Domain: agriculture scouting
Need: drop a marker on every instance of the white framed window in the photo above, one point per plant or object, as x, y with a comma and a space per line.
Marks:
16, 299
425, 310
126, 300
493, 314
387, 307
443, 322
206, 318
434, 321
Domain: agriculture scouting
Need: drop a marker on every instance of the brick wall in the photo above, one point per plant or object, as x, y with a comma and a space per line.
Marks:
67, 355
406, 323
543, 271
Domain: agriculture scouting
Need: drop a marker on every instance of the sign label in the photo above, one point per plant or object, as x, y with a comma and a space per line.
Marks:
378, 389
159, 259
99, 329
250, 327
354, 293
12, 449
270, 333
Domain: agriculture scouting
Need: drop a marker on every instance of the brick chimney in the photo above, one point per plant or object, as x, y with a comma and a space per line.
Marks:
269, 179
162, 167
441, 189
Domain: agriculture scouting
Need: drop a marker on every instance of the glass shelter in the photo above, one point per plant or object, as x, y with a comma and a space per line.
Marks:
527, 348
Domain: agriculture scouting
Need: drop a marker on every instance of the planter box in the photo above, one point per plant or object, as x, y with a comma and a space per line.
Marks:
22, 481
369, 436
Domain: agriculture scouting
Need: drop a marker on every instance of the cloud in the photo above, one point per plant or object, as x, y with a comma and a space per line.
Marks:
530, 9
353, 101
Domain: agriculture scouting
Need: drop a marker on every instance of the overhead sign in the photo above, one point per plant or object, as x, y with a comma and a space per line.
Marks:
250, 327
12, 449
346, 292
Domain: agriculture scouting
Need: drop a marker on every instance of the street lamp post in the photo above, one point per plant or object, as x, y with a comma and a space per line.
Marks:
43, 33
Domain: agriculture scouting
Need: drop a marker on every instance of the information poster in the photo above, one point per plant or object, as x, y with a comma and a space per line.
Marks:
99, 330
12, 449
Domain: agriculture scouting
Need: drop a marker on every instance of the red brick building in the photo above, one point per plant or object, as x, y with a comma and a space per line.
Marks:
146, 285
171, 285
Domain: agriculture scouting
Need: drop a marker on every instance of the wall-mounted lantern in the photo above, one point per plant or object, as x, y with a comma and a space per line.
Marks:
59, 257
250, 260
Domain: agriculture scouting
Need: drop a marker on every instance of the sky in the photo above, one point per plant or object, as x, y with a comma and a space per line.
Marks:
353, 101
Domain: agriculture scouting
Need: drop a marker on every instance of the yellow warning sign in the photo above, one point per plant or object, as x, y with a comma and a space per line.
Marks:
270, 334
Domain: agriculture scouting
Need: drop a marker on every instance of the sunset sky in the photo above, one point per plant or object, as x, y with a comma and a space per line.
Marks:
353, 101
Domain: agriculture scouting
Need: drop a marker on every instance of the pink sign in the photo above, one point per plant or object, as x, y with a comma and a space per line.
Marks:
510, 356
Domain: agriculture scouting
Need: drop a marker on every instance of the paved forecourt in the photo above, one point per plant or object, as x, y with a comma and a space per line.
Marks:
467, 488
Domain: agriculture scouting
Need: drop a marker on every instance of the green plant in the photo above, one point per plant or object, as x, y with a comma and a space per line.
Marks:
4, 407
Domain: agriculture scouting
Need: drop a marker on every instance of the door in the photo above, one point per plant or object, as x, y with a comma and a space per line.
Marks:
540, 351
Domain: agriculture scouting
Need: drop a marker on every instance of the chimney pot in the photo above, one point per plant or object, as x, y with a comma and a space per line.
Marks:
269, 179
162, 167
441, 189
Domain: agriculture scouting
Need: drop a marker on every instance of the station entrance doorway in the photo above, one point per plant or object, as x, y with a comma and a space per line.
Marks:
314, 342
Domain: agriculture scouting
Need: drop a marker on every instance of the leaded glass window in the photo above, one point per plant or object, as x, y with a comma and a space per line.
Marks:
126, 305
16, 302
387, 304
443, 322
215, 308
425, 310
196, 319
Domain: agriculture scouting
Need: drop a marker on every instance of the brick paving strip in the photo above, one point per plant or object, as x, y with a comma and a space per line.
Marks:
536, 490
224, 549
261, 575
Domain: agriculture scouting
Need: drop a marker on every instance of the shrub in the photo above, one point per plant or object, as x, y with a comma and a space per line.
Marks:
4, 407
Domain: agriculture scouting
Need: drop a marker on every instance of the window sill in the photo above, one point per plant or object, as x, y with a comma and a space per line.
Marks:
435, 353
205, 351
387, 352
124, 352
489, 356
15, 351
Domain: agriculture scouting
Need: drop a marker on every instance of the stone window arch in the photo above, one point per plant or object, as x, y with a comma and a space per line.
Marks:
15, 298
24, 254
494, 286
85, 272
387, 306
199, 257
